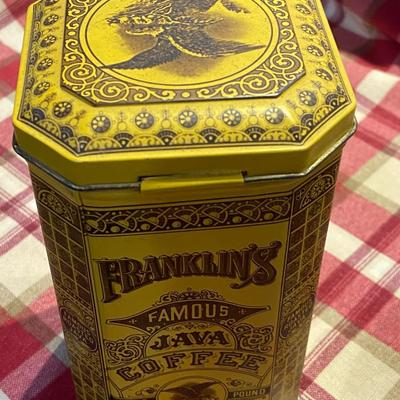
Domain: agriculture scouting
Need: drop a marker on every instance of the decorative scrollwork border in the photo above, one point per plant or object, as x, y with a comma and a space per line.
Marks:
272, 77
62, 117
179, 217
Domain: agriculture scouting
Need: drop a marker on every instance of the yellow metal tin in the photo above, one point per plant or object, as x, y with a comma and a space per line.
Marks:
210, 290
184, 156
269, 84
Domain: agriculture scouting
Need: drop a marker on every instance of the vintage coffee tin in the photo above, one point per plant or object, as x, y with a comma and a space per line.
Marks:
184, 157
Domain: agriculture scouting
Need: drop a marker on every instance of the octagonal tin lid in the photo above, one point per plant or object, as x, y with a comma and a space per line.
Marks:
135, 88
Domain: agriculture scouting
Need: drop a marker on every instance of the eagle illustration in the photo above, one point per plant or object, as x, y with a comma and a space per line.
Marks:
179, 27
193, 392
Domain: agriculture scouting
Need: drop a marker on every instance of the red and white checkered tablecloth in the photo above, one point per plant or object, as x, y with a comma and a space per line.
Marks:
354, 347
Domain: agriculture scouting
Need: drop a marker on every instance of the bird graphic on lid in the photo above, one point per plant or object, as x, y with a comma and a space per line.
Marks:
179, 27
197, 391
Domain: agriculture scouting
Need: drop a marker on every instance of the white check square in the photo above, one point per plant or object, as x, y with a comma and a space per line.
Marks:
6, 106
341, 243
7, 224
378, 266
385, 180
355, 374
9, 183
12, 35
319, 330
376, 85
3, 396
26, 264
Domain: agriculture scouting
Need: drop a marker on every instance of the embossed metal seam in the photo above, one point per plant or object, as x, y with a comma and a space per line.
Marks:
136, 185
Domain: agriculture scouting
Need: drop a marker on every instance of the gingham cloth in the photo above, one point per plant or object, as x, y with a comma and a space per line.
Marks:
354, 347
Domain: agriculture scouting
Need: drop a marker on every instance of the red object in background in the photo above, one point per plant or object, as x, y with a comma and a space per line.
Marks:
334, 11
383, 15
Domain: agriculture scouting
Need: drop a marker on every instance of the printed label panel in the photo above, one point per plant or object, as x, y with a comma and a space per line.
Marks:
190, 314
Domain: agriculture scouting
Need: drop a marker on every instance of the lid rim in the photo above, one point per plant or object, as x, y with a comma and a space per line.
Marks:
136, 185
90, 147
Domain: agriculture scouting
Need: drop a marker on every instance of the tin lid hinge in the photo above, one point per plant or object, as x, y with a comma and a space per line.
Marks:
193, 182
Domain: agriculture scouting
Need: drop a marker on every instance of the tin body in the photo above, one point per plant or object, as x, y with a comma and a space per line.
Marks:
163, 291
184, 157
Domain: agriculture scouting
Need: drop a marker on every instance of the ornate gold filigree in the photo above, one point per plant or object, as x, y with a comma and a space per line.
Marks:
252, 338
275, 74
125, 350
68, 120
134, 221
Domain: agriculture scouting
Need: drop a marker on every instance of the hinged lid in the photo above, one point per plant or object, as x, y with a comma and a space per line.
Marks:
114, 90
